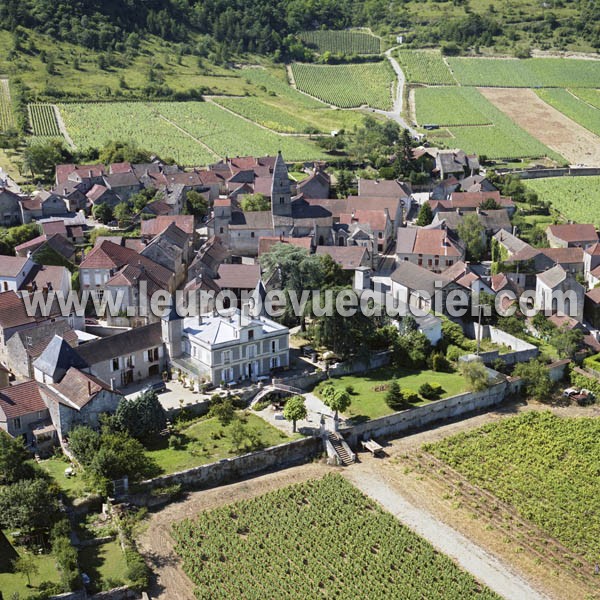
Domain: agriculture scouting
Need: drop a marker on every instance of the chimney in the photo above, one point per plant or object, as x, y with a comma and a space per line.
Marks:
457, 210
89, 387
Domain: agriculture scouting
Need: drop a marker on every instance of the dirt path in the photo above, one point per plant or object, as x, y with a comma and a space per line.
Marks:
486, 568
197, 140
551, 127
62, 127
156, 543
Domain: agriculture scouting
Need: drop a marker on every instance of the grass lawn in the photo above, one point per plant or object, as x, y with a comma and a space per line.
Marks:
370, 404
15, 583
208, 441
74, 486
102, 564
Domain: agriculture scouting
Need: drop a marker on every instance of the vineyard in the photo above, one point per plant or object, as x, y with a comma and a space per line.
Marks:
529, 72
6, 115
564, 101
446, 106
576, 198
421, 66
545, 466
504, 139
42, 120
192, 133
270, 547
268, 82
588, 95
342, 42
265, 114
347, 86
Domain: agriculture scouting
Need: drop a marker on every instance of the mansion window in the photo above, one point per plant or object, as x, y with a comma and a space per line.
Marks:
17, 423
115, 364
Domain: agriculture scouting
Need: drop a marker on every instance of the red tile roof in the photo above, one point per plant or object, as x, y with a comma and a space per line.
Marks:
349, 257
11, 266
80, 387
474, 199
434, 241
243, 277
31, 244
122, 167
575, 232
21, 399
594, 295
152, 227
377, 219
108, 256
51, 227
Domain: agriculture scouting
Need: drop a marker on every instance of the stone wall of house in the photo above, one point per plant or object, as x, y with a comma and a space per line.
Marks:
413, 418
559, 172
522, 351
229, 469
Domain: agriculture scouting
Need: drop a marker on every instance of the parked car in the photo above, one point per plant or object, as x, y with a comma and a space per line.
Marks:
157, 387
570, 392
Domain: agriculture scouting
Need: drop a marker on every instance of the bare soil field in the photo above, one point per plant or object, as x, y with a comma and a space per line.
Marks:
547, 124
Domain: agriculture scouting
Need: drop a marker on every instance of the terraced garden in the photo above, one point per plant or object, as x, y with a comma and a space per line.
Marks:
192, 133
574, 108
342, 42
528, 72
348, 86
6, 116
425, 66
576, 198
553, 476
269, 547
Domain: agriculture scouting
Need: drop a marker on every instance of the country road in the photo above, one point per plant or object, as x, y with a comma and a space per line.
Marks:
396, 113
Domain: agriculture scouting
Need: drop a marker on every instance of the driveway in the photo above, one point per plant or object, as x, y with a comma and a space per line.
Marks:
176, 395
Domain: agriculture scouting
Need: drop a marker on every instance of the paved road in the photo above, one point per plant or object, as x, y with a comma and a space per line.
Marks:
396, 113
485, 568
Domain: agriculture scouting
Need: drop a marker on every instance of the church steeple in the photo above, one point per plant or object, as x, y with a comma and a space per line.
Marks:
281, 190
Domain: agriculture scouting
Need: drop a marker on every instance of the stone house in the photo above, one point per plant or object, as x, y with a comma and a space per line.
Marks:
433, 249
14, 271
571, 235
555, 282
10, 208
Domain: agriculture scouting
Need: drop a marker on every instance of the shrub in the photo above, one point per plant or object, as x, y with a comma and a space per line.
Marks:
410, 396
137, 570
439, 363
454, 353
431, 391
394, 397
350, 389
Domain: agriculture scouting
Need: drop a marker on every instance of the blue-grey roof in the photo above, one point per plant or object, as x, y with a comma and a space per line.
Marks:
58, 358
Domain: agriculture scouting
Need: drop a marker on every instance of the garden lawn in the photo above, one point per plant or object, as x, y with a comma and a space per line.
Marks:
208, 441
15, 583
103, 563
370, 404
73, 487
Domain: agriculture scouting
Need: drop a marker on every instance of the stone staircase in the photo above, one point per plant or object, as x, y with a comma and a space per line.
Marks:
344, 455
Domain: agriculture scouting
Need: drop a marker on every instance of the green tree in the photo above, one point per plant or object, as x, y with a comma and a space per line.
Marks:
472, 233
102, 212
393, 397
40, 158
142, 417
475, 374
26, 565
223, 410
490, 204
117, 151
295, 410
411, 350
15, 461
337, 400
255, 202
196, 204
84, 443
536, 379
28, 505
122, 212
65, 555
425, 215
566, 341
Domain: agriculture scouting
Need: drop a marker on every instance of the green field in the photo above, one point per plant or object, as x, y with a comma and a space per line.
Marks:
265, 114
192, 133
6, 116
348, 86
369, 403
446, 106
342, 42
588, 95
74, 486
529, 72
105, 566
564, 101
319, 539
16, 583
209, 441
425, 66
545, 466
504, 139
576, 198
42, 120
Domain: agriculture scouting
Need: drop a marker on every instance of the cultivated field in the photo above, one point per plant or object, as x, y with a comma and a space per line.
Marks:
543, 465
425, 66
347, 86
342, 42
270, 547
549, 126
193, 133
446, 106
570, 105
503, 139
576, 198
587, 95
528, 73
6, 115
42, 120
265, 114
